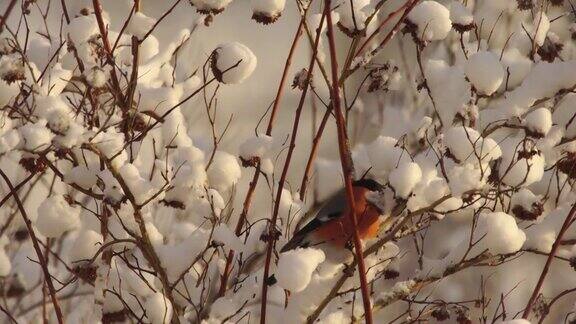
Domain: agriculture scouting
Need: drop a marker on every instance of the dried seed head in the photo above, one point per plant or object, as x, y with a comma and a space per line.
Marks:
33, 165
384, 77
114, 317
550, 50
251, 162
351, 32
568, 165
301, 79
210, 7
86, 272
540, 307
391, 274
267, 11
412, 29
525, 4
6, 46
211, 12
15, 288
461, 17
522, 213
462, 28
441, 313
12, 68
272, 234
21, 235
265, 18
573, 263
462, 316
208, 20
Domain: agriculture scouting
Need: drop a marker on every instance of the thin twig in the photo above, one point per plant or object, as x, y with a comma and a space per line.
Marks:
41, 258
257, 171
6, 14
313, 152
272, 224
347, 166
565, 226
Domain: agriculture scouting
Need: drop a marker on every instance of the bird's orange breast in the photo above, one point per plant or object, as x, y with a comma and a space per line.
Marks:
340, 230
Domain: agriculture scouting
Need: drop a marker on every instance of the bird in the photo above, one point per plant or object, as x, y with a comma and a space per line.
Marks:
332, 227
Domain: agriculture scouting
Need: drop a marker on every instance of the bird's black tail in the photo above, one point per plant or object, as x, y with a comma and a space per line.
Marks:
296, 242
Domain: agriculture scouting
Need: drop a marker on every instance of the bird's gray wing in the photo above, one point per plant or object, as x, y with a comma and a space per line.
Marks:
331, 209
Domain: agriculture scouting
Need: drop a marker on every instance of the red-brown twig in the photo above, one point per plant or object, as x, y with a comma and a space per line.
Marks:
143, 239
256, 177
347, 166
272, 224
386, 39
41, 258
270, 126
159, 20
554, 300
565, 226
109, 55
134, 75
395, 28
6, 14
313, 152
384, 23
65, 11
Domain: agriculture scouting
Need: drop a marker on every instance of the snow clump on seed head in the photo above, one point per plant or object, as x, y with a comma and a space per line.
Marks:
267, 11
539, 122
233, 63
295, 268
210, 6
404, 178
432, 21
460, 15
502, 234
485, 72
56, 216
224, 171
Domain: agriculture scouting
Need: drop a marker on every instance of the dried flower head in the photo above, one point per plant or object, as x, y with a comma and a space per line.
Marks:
525, 4
568, 165
33, 165
12, 68
528, 214
210, 7
441, 313
551, 49
383, 77
301, 79
267, 11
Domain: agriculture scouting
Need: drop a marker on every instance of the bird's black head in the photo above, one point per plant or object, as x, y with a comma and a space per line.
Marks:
369, 184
